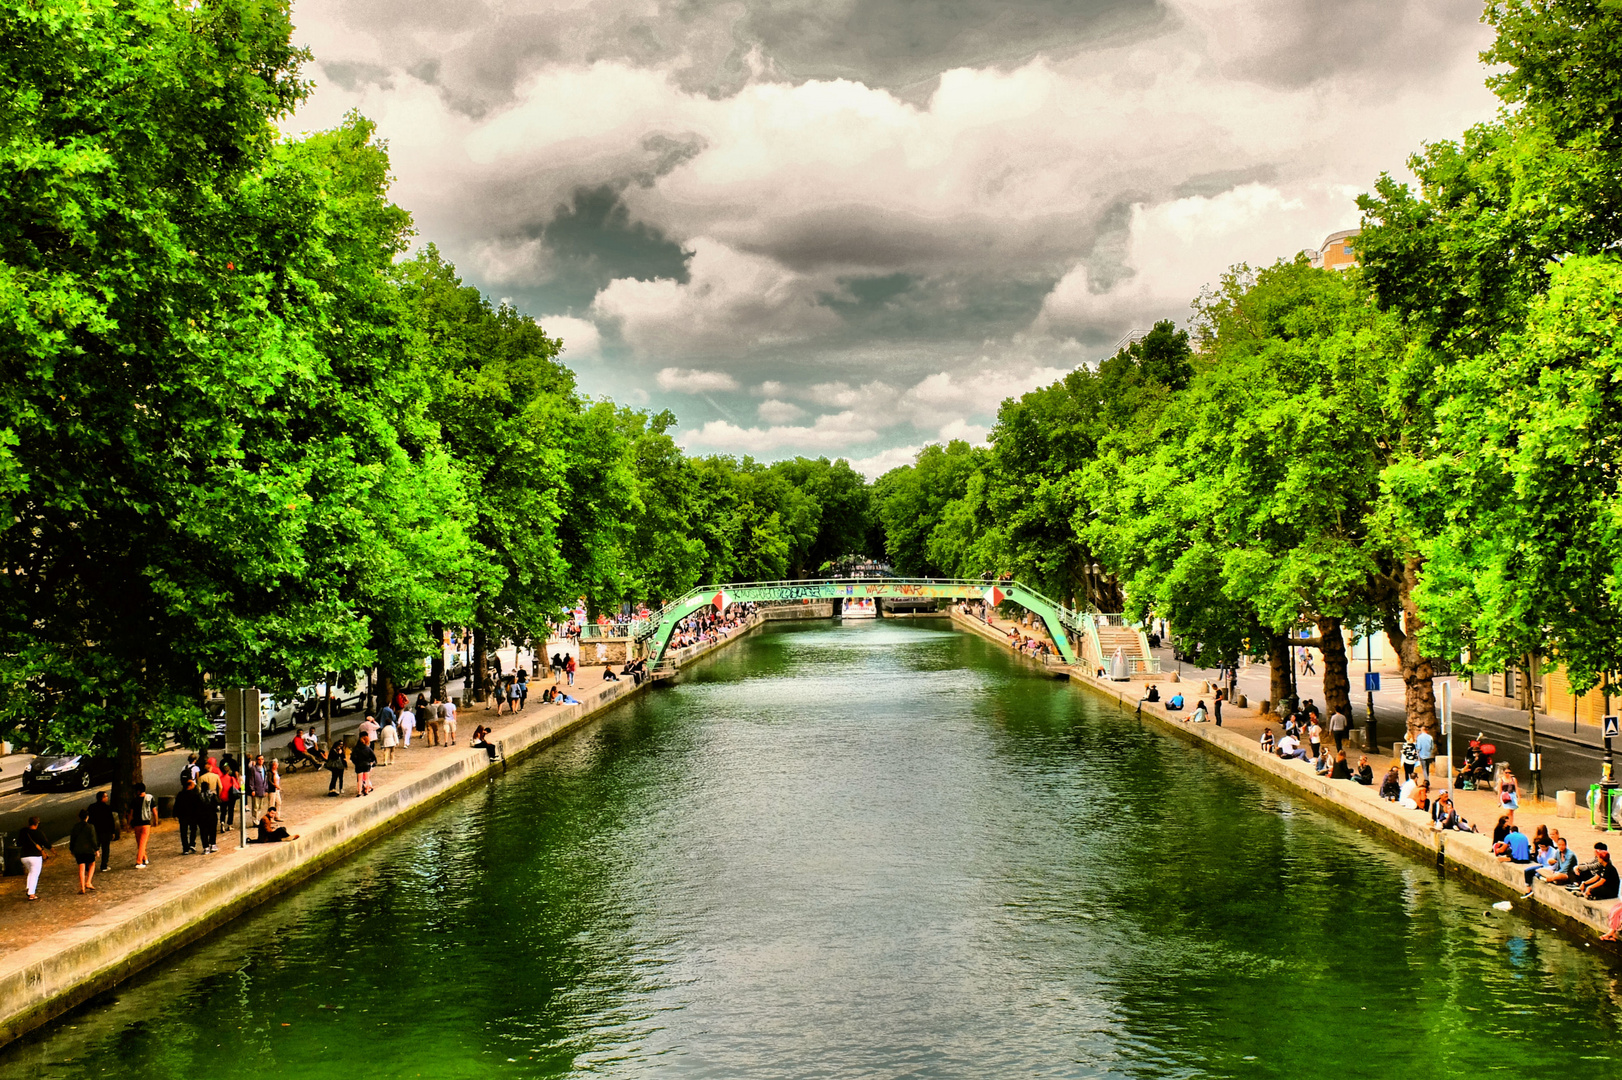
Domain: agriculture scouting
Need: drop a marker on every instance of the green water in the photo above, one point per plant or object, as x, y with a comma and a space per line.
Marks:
883, 850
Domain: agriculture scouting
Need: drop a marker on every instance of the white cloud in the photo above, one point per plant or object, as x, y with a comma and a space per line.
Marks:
878, 464
693, 381
1130, 170
778, 412
1168, 252
827, 433
581, 338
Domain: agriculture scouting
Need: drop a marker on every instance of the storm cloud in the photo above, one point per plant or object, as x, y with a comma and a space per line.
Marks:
854, 227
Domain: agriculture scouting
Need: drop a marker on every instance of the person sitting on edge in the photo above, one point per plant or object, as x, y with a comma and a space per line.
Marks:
1445, 814
1514, 847
1340, 770
1391, 787
1199, 715
1415, 796
1267, 740
1320, 761
608, 673
271, 829
1176, 702
1152, 697
1604, 884
1562, 865
1542, 856
1289, 747
1365, 772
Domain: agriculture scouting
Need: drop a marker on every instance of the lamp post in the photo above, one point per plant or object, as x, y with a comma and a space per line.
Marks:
1372, 728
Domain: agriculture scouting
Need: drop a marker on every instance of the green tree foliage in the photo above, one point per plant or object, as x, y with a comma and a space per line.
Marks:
1499, 264
911, 501
1258, 505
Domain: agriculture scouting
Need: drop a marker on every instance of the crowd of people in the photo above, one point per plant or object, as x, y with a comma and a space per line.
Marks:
215, 790
707, 625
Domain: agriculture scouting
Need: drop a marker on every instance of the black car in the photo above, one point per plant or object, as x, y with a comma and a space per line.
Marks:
75, 772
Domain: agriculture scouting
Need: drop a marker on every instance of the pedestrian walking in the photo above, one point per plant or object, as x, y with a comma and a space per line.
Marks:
273, 786
106, 826
84, 846
143, 815
1338, 728
191, 769
188, 811
1425, 751
523, 689
208, 813
337, 763
408, 725
34, 850
569, 669
364, 758
257, 786
1410, 759
557, 668
230, 795
387, 740
449, 725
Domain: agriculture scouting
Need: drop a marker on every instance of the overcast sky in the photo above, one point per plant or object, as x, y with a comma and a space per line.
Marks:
850, 228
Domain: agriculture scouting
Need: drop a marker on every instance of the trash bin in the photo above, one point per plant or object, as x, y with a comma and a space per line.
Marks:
1565, 803
166, 806
13, 857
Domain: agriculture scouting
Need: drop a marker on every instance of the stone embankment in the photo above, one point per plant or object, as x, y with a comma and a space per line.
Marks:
1466, 855
75, 947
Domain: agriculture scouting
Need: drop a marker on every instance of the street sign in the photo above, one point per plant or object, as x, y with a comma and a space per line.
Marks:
1612, 728
1371, 681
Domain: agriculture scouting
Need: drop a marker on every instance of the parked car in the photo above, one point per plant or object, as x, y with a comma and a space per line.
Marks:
303, 706
56, 768
214, 709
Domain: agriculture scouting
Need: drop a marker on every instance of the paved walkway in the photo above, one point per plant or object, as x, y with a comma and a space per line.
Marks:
1242, 729
304, 796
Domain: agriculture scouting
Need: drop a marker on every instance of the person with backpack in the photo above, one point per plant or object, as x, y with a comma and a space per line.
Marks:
143, 815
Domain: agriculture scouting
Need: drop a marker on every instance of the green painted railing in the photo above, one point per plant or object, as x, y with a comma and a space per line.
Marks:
1060, 621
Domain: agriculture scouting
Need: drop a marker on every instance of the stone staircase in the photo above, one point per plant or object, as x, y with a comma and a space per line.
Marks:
1125, 638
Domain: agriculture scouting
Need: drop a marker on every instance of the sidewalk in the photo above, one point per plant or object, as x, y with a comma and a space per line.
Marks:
1464, 853
304, 800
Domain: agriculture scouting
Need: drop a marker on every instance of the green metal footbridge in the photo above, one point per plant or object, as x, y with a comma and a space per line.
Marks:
1060, 621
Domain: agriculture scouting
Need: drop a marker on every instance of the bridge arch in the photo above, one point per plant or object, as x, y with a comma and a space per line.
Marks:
1061, 622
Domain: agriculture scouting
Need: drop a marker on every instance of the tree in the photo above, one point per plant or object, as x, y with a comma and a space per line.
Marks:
1473, 263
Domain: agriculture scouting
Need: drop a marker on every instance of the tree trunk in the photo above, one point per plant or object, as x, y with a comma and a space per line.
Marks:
128, 761
1417, 675
480, 671
436, 672
1337, 684
1278, 669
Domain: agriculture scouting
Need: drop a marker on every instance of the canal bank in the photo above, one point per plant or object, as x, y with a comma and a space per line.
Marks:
854, 850
56, 970
1466, 855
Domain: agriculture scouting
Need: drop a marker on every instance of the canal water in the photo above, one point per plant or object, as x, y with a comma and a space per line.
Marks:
874, 850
